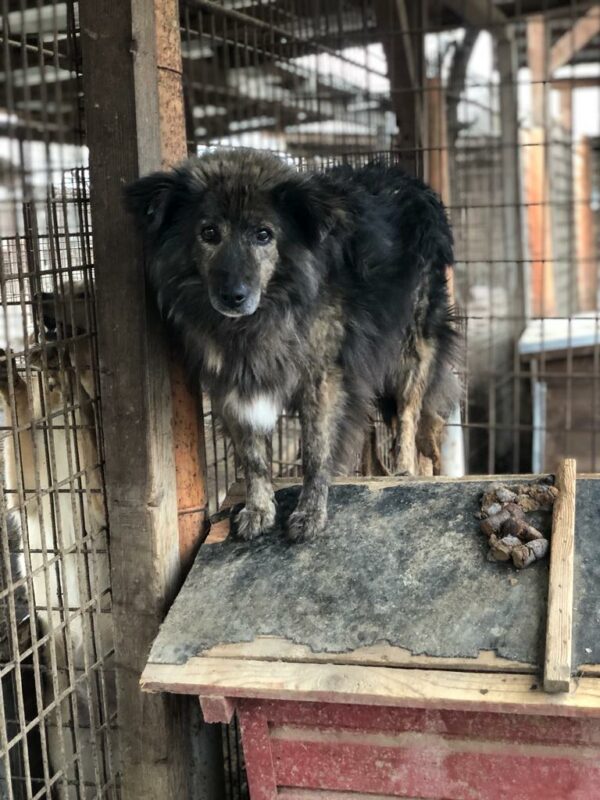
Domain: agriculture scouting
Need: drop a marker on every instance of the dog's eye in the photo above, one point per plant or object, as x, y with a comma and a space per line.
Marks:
263, 235
210, 233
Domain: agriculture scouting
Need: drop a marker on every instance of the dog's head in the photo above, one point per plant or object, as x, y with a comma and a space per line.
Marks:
232, 212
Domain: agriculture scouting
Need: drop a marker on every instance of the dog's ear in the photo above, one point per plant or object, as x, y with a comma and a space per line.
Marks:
309, 206
149, 199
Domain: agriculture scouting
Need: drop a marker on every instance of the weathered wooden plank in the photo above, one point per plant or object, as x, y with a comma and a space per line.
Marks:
412, 688
217, 709
268, 648
162, 143
258, 755
559, 631
433, 766
125, 135
480, 725
190, 465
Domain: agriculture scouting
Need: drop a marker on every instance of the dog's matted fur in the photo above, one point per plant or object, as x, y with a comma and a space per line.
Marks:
325, 293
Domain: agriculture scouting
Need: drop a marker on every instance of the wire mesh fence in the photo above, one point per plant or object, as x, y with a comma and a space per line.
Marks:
57, 686
496, 105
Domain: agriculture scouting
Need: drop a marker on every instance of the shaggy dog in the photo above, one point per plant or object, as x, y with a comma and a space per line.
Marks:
324, 293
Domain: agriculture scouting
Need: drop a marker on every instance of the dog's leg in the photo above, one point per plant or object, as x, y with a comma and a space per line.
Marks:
319, 417
410, 402
429, 439
258, 515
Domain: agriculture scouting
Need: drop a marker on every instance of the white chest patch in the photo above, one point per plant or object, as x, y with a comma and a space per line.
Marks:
260, 413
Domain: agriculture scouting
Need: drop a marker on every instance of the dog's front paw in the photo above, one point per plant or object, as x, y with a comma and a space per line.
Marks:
252, 521
305, 525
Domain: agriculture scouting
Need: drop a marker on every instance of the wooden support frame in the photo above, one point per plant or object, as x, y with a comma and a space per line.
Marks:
559, 631
134, 126
575, 39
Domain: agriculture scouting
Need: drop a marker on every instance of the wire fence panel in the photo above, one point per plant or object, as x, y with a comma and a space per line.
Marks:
498, 110
57, 693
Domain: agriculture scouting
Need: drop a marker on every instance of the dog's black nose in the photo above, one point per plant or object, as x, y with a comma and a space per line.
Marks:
235, 297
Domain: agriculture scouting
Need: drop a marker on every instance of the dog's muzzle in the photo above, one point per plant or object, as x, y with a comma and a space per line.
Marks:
236, 301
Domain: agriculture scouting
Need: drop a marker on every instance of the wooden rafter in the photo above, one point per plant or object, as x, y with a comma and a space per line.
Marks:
575, 39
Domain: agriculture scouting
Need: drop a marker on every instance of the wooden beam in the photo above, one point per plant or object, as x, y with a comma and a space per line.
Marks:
575, 39
575, 83
384, 686
217, 709
402, 31
162, 143
559, 630
536, 58
585, 225
134, 124
478, 13
190, 465
437, 173
566, 108
512, 171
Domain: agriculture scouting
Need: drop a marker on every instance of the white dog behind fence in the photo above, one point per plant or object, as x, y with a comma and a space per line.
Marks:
52, 480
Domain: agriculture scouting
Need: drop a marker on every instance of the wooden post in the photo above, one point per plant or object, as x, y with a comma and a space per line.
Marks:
559, 629
512, 194
585, 227
537, 53
565, 94
437, 174
402, 26
135, 123
543, 302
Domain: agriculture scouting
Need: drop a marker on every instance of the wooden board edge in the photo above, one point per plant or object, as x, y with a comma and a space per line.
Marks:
559, 627
358, 685
382, 654
588, 670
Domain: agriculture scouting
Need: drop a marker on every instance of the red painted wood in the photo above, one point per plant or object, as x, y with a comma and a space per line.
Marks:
217, 709
430, 770
418, 753
257, 754
529, 729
